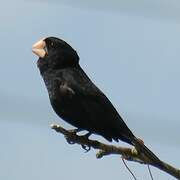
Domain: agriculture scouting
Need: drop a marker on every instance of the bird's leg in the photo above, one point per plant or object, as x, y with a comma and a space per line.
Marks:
140, 140
135, 150
86, 147
74, 132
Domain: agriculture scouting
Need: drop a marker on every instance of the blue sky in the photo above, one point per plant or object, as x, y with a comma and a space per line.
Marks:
130, 50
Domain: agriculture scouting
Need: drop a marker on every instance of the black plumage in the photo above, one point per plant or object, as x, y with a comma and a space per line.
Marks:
75, 98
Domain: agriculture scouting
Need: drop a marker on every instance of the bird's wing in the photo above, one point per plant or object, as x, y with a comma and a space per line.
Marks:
91, 109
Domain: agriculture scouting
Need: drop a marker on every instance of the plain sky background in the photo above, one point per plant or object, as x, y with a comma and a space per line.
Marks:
130, 49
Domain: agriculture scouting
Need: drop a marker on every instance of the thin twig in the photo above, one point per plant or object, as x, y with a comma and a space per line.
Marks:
129, 169
150, 173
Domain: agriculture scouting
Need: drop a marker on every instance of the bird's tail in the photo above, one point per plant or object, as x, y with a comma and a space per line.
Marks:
147, 152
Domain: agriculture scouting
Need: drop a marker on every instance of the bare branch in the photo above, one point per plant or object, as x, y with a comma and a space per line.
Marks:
129, 154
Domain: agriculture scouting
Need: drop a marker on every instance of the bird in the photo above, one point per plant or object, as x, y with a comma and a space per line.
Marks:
76, 99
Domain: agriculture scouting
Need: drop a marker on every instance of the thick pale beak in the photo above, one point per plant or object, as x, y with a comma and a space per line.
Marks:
40, 48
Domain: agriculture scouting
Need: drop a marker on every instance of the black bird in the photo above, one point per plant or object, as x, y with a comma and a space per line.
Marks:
76, 99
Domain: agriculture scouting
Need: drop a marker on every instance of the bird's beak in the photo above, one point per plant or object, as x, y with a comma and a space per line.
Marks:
39, 48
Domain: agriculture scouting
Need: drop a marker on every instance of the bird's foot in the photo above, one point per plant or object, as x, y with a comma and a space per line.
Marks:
140, 140
136, 149
73, 132
87, 148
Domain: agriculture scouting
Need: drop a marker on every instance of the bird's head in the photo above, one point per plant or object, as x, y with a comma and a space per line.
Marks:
55, 53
